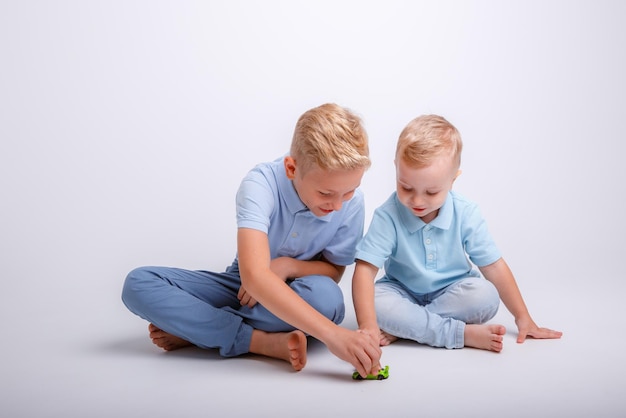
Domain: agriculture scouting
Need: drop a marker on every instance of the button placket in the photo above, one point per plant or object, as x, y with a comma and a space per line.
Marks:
292, 242
430, 249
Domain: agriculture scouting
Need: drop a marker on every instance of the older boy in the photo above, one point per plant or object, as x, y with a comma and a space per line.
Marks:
299, 219
425, 236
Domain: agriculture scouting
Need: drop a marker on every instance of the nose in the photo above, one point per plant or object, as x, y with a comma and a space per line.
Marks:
337, 203
416, 200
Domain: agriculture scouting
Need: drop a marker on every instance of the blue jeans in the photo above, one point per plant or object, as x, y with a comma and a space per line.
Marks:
437, 319
202, 307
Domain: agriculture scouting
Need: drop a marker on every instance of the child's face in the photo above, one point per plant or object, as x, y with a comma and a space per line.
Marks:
424, 190
323, 191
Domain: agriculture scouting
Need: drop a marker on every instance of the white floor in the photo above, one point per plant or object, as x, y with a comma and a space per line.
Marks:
101, 364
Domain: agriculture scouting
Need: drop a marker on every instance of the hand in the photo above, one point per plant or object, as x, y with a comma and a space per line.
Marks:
245, 298
357, 348
280, 266
374, 334
527, 328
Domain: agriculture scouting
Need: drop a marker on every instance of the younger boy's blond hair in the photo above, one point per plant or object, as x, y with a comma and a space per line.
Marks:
330, 137
426, 138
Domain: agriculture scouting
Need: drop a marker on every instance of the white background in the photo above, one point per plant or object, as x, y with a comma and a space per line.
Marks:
126, 126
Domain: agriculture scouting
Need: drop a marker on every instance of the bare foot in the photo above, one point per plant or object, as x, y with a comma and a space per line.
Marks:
288, 346
485, 337
167, 342
386, 338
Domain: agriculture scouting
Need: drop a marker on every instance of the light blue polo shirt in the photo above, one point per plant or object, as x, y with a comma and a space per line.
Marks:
428, 257
267, 201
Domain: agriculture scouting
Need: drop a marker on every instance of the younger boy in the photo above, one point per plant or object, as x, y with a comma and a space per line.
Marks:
299, 219
425, 236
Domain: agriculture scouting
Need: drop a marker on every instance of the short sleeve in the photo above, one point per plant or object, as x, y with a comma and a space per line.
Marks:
380, 240
255, 201
478, 243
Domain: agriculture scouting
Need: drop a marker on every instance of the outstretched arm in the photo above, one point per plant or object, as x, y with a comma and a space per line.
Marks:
270, 290
363, 299
501, 276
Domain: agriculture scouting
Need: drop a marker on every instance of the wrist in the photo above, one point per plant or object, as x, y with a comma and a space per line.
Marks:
368, 325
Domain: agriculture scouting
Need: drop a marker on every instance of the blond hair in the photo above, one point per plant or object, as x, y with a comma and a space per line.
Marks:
331, 137
426, 138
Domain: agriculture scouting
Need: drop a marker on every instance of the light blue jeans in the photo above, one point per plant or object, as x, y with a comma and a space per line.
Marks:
437, 319
202, 307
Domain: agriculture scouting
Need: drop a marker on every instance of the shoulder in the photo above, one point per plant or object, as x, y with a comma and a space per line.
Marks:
461, 200
266, 170
462, 204
466, 211
264, 177
390, 204
260, 184
389, 210
257, 198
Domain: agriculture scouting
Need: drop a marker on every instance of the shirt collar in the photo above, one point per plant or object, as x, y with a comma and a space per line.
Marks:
413, 223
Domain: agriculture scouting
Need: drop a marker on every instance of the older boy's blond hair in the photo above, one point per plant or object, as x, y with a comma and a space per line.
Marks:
426, 138
330, 137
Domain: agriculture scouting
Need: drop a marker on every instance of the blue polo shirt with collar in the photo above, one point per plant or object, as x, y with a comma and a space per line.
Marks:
428, 257
267, 201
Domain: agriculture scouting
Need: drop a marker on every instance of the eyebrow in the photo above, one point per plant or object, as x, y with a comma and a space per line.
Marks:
431, 189
329, 191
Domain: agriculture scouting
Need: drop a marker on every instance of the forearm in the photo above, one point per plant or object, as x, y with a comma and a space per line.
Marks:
272, 292
290, 268
363, 294
502, 278
270, 289
500, 275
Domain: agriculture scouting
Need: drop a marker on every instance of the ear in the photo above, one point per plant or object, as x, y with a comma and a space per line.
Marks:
458, 173
290, 167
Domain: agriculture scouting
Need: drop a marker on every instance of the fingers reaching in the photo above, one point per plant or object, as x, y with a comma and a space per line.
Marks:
538, 333
545, 333
370, 356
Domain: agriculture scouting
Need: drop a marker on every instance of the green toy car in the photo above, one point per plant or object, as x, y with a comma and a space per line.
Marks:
381, 375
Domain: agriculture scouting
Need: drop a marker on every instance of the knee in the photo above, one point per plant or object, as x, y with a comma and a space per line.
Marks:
323, 294
486, 299
387, 298
134, 283
491, 296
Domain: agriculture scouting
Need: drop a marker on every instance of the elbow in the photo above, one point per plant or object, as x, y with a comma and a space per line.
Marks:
248, 279
338, 274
